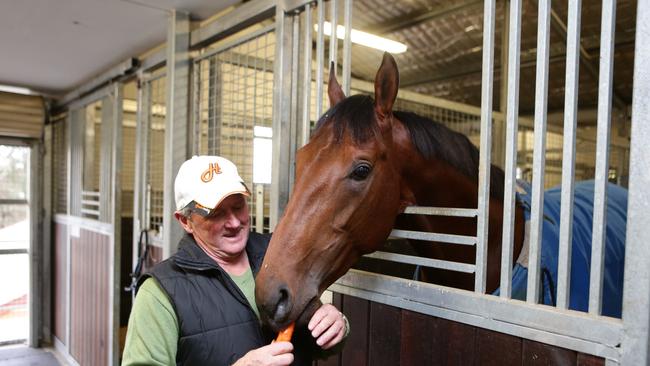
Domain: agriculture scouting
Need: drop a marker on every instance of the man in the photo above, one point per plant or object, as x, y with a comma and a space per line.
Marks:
198, 307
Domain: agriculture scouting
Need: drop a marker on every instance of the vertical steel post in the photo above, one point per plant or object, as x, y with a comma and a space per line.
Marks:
320, 56
334, 12
608, 25
305, 127
568, 154
512, 120
176, 121
141, 167
486, 141
635, 347
282, 85
539, 149
115, 279
347, 46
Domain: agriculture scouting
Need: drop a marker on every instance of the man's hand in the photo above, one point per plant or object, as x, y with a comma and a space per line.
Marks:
327, 326
275, 354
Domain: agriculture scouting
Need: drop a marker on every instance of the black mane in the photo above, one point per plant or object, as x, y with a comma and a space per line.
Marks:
432, 139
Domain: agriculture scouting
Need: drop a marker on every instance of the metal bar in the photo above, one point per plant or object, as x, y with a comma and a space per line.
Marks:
105, 172
441, 211
487, 80
320, 56
13, 251
539, 149
333, 33
13, 202
259, 208
140, 171
499, 126
90, 203
90, 194
295, 62
239, 41
603, 334
246, 14
347, 45
605, 86
636, 291
512, 117
153, 60
585, 59
90, 212
176, 120
306, 79
444, 238
114, 215
194, 138
476, 111
123, 68
569, 152
426, 262
281, 117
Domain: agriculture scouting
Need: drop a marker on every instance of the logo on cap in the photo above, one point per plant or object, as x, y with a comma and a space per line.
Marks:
209, 173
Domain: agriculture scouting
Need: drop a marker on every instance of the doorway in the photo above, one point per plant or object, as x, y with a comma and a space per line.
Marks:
15, 231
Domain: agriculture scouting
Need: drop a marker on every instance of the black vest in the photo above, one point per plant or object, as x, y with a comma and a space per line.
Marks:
216, 323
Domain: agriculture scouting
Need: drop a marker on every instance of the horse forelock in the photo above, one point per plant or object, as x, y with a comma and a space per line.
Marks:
355, 116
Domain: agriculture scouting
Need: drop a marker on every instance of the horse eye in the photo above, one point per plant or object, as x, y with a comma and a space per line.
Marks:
361, 172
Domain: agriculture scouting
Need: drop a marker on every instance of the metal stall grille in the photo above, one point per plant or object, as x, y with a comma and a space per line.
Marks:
129, 143
547, 155
92, 140
233, 111
155, 154
60, 165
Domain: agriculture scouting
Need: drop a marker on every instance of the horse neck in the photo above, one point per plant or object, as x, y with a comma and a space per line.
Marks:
435, 183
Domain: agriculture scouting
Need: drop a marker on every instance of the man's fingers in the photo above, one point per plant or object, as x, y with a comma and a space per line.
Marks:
278, 348
334, 341
283, 359
330, 334
317, 317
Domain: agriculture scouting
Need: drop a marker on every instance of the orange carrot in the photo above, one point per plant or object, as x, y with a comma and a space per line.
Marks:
286, 333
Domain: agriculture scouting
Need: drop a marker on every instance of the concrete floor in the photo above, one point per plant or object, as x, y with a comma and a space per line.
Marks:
23, 355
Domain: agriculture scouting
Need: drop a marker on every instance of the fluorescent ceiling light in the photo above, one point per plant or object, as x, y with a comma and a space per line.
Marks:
365, 39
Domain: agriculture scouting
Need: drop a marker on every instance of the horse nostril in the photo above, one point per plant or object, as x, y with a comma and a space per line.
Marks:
283, 305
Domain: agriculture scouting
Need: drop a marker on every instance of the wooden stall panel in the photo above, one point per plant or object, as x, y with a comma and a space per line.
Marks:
589, 360
335, 359
90, 298
60, 281
355, 351
385, 334
494, 348
418, 339
454, 343
535, 353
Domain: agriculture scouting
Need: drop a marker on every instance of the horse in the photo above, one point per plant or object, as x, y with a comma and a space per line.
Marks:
363, 165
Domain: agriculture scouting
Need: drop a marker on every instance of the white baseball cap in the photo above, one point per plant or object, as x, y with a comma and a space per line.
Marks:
205, 181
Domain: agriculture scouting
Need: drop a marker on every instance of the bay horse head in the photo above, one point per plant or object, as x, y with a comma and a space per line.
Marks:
347, 193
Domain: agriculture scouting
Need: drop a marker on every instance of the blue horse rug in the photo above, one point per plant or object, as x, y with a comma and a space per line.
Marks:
581, 251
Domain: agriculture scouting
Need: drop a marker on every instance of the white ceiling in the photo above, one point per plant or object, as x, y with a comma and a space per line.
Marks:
53, 46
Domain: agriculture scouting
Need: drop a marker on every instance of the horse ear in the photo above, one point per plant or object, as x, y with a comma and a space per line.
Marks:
334, 90
386, 85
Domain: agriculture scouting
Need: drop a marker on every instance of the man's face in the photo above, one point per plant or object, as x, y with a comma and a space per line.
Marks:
225, 230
